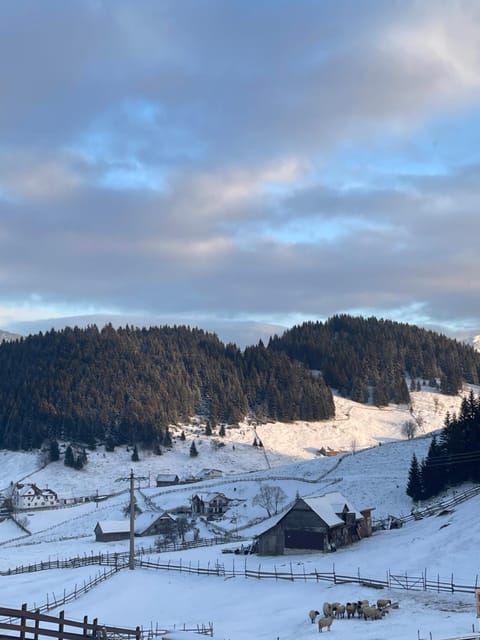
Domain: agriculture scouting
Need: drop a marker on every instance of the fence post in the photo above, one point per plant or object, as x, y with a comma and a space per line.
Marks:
85, 623
94, 627
137, 633
37, 624
334, 576
61, 616
23, 622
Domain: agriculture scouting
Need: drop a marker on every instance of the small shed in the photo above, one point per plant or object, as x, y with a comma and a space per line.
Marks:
111, 530
207, 474
166, 479
321, 523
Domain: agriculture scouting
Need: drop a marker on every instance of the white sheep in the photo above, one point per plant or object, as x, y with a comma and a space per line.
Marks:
382, 603
325, 622
372, 613
338, 610
327, 609
312, 614
351, 608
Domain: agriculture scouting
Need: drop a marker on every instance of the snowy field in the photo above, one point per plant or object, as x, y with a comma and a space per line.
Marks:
367, 474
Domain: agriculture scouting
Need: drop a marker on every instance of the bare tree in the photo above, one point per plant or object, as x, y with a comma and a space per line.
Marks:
409, 429
353, 445
270, 498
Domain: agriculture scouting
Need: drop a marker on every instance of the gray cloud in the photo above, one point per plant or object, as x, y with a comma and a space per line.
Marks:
166, 157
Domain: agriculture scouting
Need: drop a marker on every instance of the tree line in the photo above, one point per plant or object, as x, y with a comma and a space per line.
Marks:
453, 457
368, 359
128, 385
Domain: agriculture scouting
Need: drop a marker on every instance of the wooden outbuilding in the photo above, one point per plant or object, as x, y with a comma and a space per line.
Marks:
152, 524
166, 479
322, 523
111, 530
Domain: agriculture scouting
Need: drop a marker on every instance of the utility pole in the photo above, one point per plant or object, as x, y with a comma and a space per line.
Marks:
131, 555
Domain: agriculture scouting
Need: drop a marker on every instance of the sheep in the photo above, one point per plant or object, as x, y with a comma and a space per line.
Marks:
312, 614
351, 608
360, 605
382, 603
325, 622
372, 613
338, 610
327, 609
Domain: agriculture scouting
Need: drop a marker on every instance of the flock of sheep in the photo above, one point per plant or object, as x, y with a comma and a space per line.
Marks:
361, 608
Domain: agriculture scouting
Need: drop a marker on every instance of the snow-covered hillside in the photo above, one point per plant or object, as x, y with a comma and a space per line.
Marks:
370, 470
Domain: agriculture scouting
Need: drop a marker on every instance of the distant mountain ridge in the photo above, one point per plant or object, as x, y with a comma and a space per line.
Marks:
8, 336
128, 385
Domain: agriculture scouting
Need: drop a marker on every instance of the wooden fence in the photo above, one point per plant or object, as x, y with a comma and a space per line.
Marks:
392, 581
53, 601
430, 510
21, 622
113, 559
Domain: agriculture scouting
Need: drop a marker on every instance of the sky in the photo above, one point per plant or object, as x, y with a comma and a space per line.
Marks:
239, 164
443, 546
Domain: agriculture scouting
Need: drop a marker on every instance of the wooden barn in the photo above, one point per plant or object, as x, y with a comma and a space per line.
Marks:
111, 530
166, 479
321, 523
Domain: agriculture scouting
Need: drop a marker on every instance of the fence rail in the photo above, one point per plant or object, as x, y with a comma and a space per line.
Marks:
114, 559
391, 581
21, 621
430, 510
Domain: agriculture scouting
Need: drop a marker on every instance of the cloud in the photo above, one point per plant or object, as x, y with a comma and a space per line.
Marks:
270, 160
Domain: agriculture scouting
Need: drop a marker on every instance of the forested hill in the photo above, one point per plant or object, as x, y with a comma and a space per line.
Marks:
356, 354
128, 385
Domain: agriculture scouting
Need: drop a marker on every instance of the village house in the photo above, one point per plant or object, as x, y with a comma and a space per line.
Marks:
152, 524
210, 504
29, 496
322, 523
166, 479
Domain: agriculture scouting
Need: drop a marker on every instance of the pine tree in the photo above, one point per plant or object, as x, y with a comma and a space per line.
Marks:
69, 459
54, 451
431, 472
414, 485
221, 431
135, 457
208, 429
182, 436
193, 450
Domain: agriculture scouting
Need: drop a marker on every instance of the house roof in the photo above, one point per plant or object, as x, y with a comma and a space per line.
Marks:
208, 497
114, 526
146, 519
32, 489
167, 477
326, 507
329, 505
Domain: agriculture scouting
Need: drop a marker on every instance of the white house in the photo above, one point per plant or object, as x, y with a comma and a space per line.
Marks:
29, 496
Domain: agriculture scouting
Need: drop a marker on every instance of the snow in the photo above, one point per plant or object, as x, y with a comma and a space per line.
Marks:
443, 547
